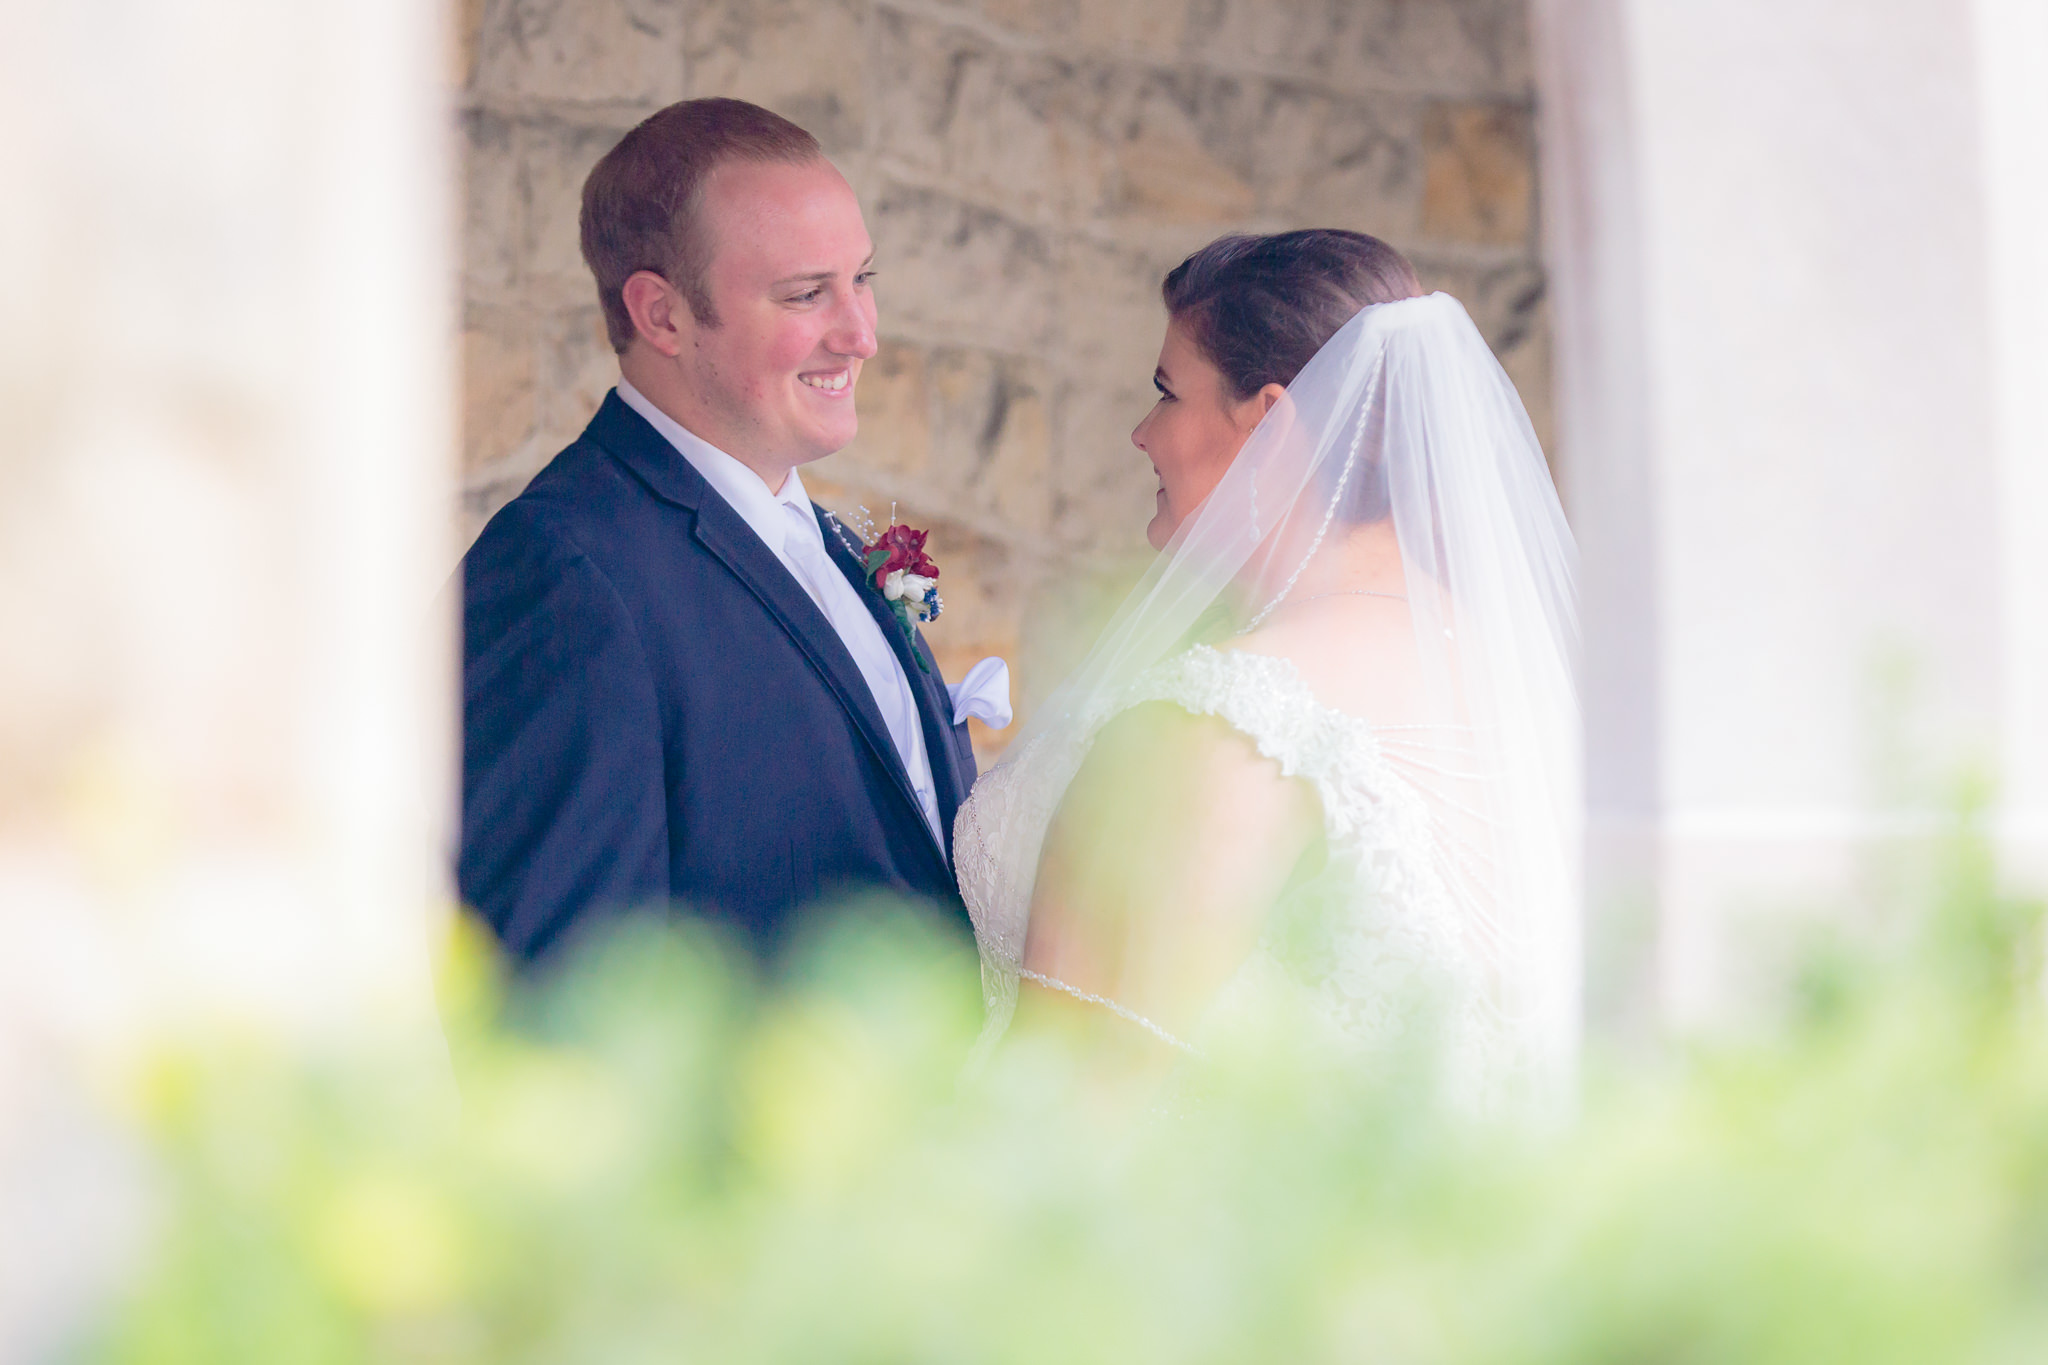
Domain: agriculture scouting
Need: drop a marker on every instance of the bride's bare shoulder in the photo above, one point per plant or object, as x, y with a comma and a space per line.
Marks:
1163, 744
1158, 769
1334, 641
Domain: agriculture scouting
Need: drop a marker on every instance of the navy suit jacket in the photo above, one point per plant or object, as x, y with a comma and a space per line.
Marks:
656, 713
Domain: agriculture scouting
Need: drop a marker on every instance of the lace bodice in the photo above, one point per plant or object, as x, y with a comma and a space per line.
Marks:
1366, 950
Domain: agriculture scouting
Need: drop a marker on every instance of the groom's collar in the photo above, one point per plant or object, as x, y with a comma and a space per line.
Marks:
629, 438
739, 486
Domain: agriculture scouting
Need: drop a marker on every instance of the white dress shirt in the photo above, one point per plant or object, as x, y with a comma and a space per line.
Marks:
789, 528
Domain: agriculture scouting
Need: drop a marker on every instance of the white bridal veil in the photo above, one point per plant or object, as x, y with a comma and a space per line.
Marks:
1403, 418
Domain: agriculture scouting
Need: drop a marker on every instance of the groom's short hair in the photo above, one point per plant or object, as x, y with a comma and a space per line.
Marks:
641, 200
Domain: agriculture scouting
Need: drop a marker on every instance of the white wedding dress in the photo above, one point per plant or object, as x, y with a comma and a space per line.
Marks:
1366, 951
1441, 914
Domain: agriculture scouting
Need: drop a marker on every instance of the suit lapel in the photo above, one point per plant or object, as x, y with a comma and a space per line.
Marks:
934, 704
726, 535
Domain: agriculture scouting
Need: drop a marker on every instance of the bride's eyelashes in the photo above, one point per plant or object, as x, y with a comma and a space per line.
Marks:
1165, 394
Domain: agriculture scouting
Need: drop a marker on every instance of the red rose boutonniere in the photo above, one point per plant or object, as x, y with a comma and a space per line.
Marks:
899, 569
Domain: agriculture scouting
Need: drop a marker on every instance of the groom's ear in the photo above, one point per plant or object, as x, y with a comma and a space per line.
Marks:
660, 314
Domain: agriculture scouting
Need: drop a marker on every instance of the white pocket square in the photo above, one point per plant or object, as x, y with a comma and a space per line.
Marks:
984, 694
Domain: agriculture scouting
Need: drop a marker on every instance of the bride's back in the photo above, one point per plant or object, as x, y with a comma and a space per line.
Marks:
1356, 654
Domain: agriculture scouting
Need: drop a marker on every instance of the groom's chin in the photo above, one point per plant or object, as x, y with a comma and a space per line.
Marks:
832, 441
822, 438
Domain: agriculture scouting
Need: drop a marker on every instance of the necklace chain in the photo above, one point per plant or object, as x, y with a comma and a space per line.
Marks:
1284, 601
1352, 592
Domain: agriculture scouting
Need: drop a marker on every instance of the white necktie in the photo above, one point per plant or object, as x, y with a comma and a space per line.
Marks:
804, 551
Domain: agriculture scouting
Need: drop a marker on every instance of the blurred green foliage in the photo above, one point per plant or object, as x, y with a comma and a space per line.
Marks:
662, 1156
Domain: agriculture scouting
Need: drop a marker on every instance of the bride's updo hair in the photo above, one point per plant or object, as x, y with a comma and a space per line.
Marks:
1260, 307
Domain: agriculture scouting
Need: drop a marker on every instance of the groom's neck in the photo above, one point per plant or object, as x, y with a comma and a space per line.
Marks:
669, 392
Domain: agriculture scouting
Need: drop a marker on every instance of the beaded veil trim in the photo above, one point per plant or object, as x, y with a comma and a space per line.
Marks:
1128, 1015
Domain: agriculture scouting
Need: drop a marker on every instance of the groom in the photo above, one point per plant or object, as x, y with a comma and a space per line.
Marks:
678, 686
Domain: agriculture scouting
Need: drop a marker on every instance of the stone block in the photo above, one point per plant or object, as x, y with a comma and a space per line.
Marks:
1509, 303
958, 271
467, 22
894, 404
1197, 146
926, 73
1013, 127
1181, 149
493, 207
605, 51
571, 366
1474, 47
497, 384
555, 157
1461, 47
1102, 485
482, 496
966, 432
1346, 163
992, 437
1156, 29
1479, 173
1111, 316
575, 367
1307, 36
805, 59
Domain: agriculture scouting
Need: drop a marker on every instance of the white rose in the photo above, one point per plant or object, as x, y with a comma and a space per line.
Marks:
915, 585
892, 586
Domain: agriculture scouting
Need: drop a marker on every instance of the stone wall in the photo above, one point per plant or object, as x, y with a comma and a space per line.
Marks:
1030, 169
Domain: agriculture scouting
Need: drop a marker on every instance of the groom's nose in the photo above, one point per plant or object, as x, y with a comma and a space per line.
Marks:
852, 330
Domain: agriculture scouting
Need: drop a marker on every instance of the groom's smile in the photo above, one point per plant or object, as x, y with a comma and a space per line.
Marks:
836, 382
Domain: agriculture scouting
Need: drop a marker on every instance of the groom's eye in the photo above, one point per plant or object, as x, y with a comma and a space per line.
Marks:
864, 277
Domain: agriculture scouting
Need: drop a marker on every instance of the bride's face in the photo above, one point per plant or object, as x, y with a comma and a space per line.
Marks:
1194, 431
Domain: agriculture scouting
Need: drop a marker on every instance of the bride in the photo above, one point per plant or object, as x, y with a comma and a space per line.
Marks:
1321, 769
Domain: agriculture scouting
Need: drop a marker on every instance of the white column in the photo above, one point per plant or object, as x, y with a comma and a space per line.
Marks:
1801, 410
1590, 192
2012, 59
225, 707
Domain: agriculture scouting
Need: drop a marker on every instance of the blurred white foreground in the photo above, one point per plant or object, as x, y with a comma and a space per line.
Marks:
225, 445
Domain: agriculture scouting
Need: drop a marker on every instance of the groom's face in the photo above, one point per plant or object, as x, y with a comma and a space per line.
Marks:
788, 282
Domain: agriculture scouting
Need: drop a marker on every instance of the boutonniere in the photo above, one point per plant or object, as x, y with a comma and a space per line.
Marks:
897, 567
